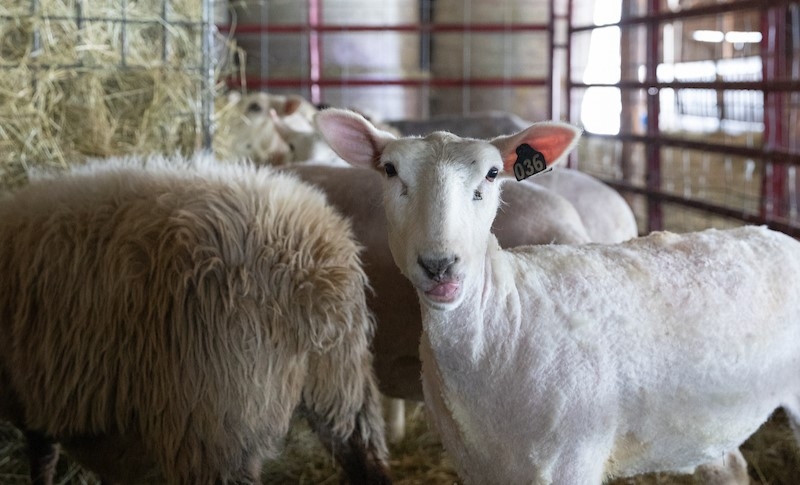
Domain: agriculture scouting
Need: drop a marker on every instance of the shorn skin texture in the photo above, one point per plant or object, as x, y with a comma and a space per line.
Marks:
572, 364
164, 319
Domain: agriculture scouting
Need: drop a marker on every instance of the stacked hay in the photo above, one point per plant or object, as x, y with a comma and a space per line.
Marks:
83, 79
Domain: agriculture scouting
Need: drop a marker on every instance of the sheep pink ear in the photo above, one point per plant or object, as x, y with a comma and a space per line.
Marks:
352, 137
292, 104
536, 148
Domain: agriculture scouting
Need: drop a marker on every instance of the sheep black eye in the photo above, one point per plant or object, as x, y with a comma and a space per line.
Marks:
390, 170
254, 108
491, 174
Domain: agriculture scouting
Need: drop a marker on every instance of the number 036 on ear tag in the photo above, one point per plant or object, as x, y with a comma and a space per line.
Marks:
529, 162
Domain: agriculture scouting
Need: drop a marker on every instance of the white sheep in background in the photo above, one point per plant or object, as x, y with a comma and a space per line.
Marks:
253, 128
166, 318
305, 145
605, 214
571, 364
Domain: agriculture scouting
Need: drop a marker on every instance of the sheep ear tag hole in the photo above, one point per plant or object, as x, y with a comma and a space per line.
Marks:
529, 162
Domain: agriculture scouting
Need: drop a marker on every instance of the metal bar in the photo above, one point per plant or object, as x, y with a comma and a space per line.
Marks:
628, 102
37, 36
744, 216
164, 32
115, 20
413, 28
466, 57
705, 10
425, 60
314, 50
551, 43
655, 213
775, 156
774, 196
124, 34
568, 76
209, 65
766, 85
258, 83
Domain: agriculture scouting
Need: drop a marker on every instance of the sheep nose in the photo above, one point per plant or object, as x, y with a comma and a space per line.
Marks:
436, 268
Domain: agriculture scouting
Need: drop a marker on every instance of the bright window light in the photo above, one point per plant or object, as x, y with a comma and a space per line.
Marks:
713, 36
743, 37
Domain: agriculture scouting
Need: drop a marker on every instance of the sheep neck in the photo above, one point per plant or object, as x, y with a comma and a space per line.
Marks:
476, 334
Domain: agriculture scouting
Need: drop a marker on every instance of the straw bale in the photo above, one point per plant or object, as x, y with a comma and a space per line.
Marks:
420, 459
97, 81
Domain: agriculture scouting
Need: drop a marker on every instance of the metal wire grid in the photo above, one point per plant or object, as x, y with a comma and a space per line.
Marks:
160, 15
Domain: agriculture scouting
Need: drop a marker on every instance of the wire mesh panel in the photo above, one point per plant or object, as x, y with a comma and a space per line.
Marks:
83, 78
702, 113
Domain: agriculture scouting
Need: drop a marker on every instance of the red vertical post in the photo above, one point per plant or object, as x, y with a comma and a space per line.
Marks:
774, 193
655, 215
314, 50
551, 31
568, 74
572, 161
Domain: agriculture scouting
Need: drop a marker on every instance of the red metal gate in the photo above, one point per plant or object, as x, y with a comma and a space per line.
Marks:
452, 40
709, 106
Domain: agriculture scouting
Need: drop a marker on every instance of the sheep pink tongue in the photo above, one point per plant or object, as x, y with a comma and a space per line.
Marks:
444, 291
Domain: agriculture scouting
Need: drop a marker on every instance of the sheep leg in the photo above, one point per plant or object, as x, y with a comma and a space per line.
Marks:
731, 469
43, 456
395, 419
358, 458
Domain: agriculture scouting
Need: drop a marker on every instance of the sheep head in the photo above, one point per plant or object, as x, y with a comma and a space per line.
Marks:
441, 193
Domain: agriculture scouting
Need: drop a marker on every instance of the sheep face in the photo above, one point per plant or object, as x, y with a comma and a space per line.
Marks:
441, 193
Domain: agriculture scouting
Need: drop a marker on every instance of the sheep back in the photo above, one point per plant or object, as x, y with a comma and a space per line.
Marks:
174, 303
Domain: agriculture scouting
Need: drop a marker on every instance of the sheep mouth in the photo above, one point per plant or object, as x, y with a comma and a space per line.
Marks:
444, 292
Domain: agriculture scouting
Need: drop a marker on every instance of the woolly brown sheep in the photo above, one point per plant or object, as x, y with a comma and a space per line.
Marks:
164, 319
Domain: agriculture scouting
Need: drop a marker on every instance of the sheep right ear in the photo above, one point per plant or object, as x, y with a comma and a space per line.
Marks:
352, 137
536, 148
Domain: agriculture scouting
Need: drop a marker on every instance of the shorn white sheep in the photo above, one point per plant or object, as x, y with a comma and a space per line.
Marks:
570, 364
164, 319
532, 215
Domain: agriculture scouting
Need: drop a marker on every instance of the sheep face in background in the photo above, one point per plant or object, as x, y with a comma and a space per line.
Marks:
305, 145
576, 363
164, 320
256, 137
